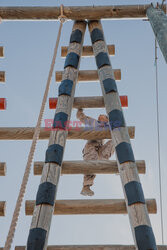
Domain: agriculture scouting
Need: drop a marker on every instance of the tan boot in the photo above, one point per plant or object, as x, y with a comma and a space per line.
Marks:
87, 191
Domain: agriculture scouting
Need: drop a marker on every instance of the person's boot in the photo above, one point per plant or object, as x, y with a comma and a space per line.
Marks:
87, 191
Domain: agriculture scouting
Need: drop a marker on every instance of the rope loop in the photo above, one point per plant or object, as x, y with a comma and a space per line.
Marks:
62, 18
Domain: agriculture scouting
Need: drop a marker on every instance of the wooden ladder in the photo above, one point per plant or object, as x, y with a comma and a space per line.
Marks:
45, 205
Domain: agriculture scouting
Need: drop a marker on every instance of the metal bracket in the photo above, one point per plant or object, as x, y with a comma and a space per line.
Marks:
145, 238
76, 36
36, 239
102, 59
65, 87
60, 120
46, 193
54, 154
124, 152
72, 59
116, 119
109, 85
96, 35
134, 192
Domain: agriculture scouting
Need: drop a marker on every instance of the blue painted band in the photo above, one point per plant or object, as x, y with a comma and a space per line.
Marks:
134, 192
145, 238
46, 193
60, 120
76, 36
72, 59
65, 87
109, 85
102, 59
36, 239
124, 152
96, 35
116, 119
54, 154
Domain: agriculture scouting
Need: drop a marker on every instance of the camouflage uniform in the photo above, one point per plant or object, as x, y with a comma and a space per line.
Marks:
94, 149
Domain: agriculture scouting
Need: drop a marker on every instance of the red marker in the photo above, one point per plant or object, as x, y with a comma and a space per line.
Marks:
2, 103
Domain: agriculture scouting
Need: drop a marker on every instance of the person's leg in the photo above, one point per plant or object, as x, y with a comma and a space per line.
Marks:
90, 153
106, 150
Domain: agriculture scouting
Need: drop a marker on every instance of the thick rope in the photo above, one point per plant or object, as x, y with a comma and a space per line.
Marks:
16, 213
158, 141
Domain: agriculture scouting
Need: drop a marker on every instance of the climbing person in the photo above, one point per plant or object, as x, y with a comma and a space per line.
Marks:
94, 149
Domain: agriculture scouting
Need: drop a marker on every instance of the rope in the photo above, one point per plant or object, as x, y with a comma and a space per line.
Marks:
158, 134
16, 213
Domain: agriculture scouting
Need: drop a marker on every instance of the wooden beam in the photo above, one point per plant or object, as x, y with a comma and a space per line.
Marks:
26, 133
89, 167
88, 102
94, 206
2, 208
2, 168
136, 204
90, 247
46, 194
2, 76
1, 51
88, 50
74, 12
88, 75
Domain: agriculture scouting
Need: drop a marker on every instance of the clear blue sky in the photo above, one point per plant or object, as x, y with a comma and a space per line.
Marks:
28, 52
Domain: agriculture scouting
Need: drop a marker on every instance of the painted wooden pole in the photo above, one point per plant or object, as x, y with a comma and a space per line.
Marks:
74, 132
88, 75
158, 21
89, 167
74, 12
88, 50
94, 206
46, 195
88, 102
134, 197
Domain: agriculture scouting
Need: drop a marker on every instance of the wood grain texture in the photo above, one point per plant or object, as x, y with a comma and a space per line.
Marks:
89, 167
74, 12
26, 133
1, 51
138, 214
42, 215
2, 168
90, 247
2, 208
2, 76
90, 102
94, 206
89, 75
88, 50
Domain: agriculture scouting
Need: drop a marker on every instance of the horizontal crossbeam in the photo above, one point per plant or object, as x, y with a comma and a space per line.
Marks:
74, 12
1, 51
91, 247
88, 102
88, 75
2, 168
103, 206
2, 208
26, 133
89, 167
2, 76
88, 50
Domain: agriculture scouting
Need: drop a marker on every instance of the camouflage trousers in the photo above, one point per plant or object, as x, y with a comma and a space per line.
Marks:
96, 150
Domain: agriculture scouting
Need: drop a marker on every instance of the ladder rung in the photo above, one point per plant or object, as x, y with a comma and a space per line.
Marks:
88, 75
2, 208
1, 51
2, 76
2, 168
88, 50
99, 206
91, 247
88, 102
26, 133
89, 167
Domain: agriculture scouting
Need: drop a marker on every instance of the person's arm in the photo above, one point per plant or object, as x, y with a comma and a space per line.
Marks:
107, 149
85, 119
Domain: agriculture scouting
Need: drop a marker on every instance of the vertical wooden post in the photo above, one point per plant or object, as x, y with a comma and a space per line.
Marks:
46, 194
158, 21
135, 201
